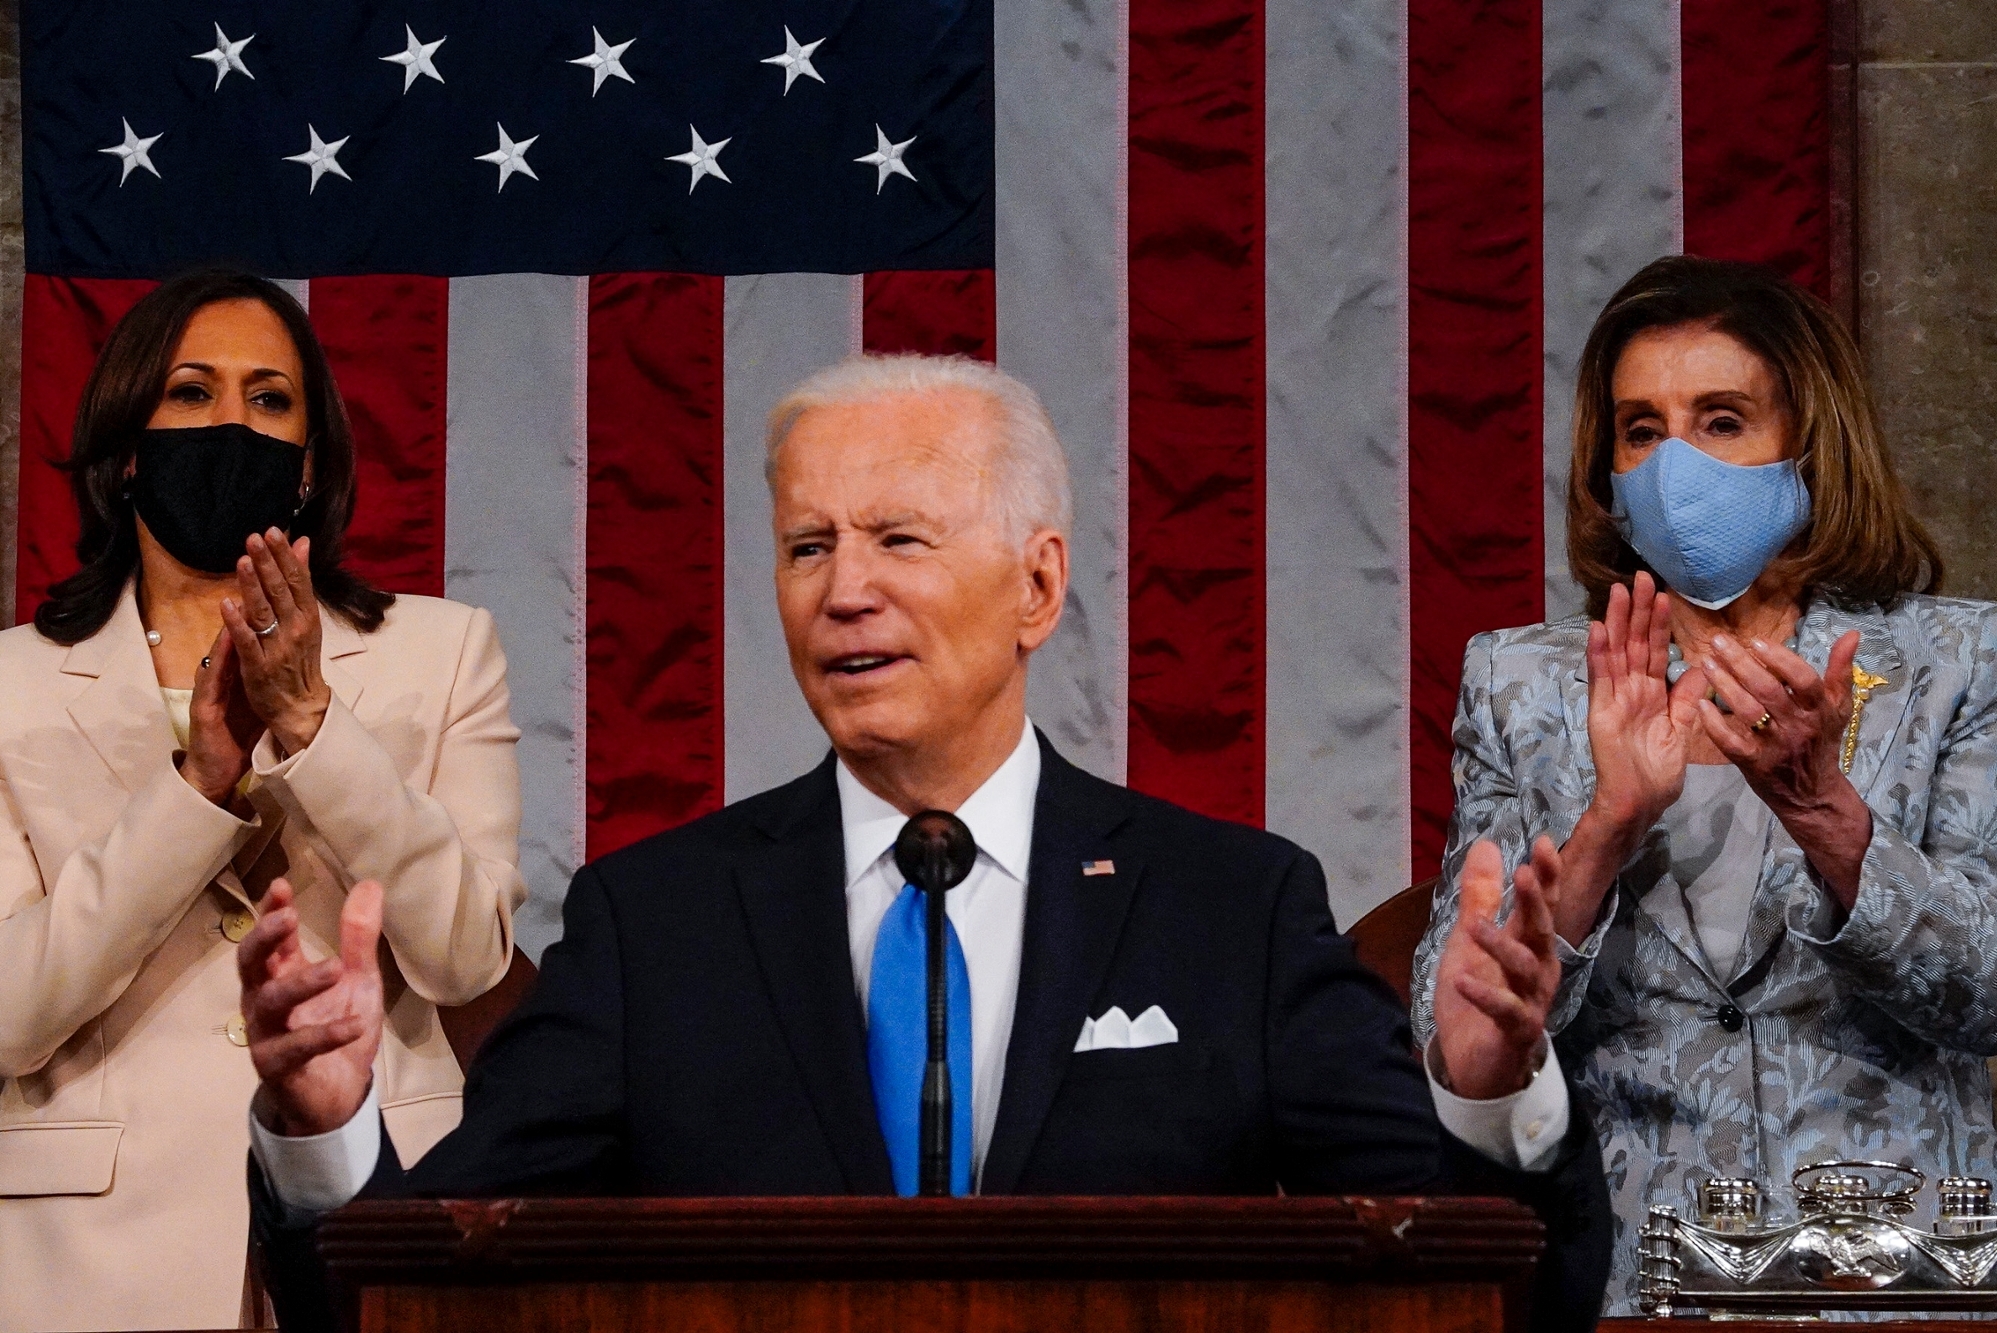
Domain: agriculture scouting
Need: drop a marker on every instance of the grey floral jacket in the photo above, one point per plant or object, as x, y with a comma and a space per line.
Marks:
1828, 1037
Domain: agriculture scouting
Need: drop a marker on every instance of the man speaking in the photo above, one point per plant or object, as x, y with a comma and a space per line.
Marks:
1145, 1000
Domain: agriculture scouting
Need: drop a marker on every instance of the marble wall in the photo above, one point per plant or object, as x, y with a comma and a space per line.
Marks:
1926, 214
1925, 204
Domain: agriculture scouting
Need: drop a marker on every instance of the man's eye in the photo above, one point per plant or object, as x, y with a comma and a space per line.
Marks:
806, 550
898, 539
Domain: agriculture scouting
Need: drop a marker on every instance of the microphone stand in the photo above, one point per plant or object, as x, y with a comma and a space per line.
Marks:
935, 852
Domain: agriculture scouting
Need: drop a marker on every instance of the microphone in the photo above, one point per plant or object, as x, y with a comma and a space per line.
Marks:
935, 852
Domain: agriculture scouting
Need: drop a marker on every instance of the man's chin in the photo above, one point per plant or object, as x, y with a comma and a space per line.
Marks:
871, 729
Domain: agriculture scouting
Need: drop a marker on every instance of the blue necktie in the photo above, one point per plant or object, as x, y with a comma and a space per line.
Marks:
898, 1041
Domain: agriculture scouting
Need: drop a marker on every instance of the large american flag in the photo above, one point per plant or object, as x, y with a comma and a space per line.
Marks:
1303, 283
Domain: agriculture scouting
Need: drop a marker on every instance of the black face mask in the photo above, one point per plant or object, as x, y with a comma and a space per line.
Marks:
204, 489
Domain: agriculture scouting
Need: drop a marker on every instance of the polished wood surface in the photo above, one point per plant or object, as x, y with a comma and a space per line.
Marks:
1791, 1325
977, 1265
1385, 938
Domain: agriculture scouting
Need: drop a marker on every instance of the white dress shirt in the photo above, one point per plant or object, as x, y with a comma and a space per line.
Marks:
319, 1173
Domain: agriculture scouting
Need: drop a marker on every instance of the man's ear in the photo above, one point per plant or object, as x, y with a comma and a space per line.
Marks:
1045, 564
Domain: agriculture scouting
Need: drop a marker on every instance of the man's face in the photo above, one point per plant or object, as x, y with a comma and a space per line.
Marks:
908, 611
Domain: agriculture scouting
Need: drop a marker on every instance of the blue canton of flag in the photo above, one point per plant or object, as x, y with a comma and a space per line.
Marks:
704, 136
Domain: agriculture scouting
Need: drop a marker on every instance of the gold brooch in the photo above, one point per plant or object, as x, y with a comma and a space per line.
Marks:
1863, 683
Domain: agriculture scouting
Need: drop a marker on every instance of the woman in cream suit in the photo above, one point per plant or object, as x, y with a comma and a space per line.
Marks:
213, 702
1768, 764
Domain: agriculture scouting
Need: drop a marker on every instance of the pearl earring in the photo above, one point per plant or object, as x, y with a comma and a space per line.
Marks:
152, 637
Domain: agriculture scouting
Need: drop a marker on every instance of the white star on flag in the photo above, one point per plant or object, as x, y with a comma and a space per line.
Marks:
886, 158
227, 57
701, 159
605, 62
796, 60
509, 157
416, 59
132, 153
322, 157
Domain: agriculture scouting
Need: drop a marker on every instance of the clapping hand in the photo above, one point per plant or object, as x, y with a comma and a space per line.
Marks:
1786, 735
1638, 727
276, 632
1495, 983
314, 1028
222, 727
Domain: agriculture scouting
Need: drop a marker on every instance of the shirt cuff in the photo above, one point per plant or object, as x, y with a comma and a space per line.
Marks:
317, 1173
1523, 1131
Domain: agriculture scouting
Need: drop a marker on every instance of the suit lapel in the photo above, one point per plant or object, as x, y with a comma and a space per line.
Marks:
120, 712
793, 895
1072, 926
340, 641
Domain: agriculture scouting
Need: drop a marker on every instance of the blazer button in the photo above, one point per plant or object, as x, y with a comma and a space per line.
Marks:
1730, 1018
236, 923
239, 1031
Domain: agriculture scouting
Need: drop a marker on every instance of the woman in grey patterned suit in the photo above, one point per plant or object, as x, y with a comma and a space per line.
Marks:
1769, 762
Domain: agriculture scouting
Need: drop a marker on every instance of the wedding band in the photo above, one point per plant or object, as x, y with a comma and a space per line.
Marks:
1762, 724
267, 630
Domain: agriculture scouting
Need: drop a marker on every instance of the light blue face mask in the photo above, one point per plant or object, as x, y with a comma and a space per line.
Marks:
1708, 528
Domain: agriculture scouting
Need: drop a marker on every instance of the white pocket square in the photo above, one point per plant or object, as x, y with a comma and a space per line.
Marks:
1118, 1031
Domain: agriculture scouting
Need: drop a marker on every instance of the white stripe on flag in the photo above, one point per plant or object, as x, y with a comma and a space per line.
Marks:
1611, 134
778, 328
300, 289
516, 456
1062, 329
1337, 523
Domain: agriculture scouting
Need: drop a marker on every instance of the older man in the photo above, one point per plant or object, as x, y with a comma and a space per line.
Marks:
728, 1011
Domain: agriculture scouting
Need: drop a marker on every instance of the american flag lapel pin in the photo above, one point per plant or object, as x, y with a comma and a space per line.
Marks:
1098, 867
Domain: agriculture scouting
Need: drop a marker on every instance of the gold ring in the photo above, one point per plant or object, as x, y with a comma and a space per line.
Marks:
1762, 724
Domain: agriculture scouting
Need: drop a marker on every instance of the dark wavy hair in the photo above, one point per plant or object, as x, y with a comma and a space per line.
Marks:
123, 391
1863, 542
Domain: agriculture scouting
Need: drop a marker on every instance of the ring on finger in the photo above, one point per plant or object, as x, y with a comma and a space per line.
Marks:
1761, 723
269, 629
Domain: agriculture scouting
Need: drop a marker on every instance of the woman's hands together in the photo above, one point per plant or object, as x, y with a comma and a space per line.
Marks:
279, 667
1793, 760
222, 727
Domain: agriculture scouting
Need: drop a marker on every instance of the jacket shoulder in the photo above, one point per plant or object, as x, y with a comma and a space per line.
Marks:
1167, 833
24, 649
1552, 647
718, 838
1960, 628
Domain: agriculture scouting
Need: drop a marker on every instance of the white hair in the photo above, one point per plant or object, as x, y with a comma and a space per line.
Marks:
1030, 468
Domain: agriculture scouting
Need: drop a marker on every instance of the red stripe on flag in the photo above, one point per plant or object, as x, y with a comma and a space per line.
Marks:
1475, 549
1196, 405
64, 323
656, 744
1756, 81
936, 311
387, 339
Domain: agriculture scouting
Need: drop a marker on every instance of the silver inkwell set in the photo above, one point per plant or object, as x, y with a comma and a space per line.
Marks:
1851, 1247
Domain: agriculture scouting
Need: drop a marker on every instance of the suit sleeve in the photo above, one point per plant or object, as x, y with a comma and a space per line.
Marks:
1917, 942
445, 854
1490, 806
1354, 1115
543, 1110
69, 948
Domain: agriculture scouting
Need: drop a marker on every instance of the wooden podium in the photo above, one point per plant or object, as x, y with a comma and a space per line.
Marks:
999, 1265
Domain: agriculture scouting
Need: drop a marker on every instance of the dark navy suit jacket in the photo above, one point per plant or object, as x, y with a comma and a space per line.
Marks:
697, 1032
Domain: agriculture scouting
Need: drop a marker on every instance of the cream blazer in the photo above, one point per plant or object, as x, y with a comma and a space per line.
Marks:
124, 1084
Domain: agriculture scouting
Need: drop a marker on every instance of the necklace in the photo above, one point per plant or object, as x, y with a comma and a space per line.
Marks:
1676, 667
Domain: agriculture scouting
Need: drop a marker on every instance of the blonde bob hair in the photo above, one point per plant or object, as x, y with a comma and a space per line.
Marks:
1863, 543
